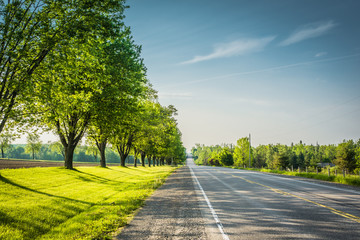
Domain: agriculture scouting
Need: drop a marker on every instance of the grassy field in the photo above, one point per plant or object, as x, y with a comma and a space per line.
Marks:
353, 180
87, 203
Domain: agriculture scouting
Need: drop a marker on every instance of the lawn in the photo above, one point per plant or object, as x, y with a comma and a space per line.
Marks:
86, 203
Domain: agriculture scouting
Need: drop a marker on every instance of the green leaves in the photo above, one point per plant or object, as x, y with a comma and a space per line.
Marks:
71, 66
31, 29
241, 152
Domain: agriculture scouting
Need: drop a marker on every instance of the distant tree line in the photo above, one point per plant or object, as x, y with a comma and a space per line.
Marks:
49, 152
72, 68
345, 156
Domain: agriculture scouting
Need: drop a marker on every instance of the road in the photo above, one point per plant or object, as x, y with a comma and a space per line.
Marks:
252, 205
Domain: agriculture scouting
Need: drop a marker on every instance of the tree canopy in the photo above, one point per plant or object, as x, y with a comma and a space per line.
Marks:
73, 68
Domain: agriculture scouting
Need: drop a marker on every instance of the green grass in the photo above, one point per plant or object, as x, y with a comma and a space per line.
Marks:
353, 180
56, 161
87, 203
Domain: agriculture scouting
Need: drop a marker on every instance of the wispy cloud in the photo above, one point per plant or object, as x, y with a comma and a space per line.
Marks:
235, 48
223, 77
184, 95
257, 102
312, 30
320, 54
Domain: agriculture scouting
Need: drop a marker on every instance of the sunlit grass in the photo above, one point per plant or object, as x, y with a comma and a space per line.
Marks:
87, 203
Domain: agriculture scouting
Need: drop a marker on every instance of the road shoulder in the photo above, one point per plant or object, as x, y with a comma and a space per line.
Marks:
172, 212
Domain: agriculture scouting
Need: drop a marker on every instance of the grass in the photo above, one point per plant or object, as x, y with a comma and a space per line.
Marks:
40, 160
348, 179
86, 203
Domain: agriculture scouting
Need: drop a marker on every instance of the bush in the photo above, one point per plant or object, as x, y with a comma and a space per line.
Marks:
214, 162
226, 158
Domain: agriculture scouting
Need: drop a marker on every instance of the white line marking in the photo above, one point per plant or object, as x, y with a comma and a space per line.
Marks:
217, 220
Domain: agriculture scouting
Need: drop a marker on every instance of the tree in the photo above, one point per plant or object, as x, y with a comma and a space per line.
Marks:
301, 160
357, 155
70, 81
58, 148
126, 83
241, 152
32, 29
260, 156
168, 137
125, 133
225, 157
92, 149
281, 158
214, 159
345, 155
33, 144
148, 130
5, 140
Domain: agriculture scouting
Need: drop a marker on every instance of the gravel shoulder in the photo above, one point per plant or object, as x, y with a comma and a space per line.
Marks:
172, 212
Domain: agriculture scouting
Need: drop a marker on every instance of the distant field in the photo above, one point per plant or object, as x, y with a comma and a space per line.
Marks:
86, 203
10, 163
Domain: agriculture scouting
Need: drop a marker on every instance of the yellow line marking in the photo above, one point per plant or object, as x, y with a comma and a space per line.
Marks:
333, 210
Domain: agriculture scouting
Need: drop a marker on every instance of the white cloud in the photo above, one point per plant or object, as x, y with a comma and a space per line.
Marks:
312, 30
320, 54
235, 48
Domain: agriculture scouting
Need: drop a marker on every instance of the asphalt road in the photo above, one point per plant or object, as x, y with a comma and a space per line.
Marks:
252, 205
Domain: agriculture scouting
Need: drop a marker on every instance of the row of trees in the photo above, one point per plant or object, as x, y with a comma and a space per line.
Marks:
345, 155
51, 152
72, 67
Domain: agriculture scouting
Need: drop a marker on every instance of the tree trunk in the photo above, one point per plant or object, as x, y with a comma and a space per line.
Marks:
2, 152
72, 138
149, 160
69, 155
122, 158
102, 147
157, 162
33, 154
102, 159
154, 158
168, 161
135, 160
142, 154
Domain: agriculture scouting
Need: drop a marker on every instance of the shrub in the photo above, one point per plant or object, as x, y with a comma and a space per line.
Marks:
225, 157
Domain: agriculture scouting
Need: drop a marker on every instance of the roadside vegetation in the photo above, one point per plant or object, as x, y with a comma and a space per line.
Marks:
82, 153
74, 69
337, 163
86, 203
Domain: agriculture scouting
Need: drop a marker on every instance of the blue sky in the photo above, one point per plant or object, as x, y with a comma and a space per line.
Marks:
283, 71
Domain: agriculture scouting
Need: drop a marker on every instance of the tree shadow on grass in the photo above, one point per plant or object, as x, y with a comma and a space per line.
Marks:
32, 227
93, 177
62, 208
5, 180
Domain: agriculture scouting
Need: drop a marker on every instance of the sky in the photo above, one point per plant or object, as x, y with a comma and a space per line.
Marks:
280, 70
